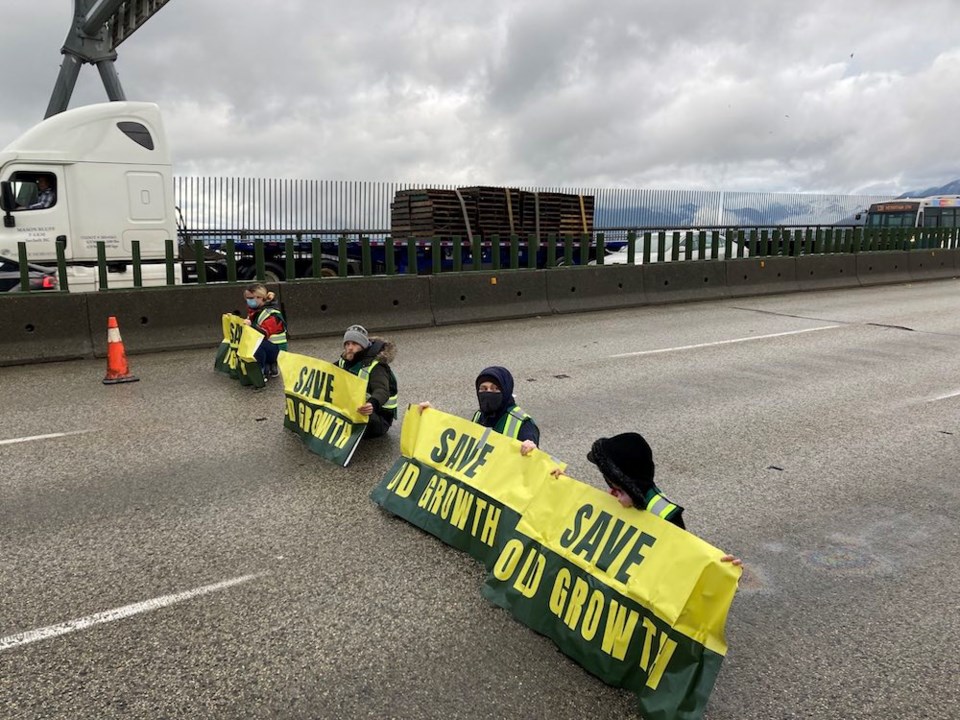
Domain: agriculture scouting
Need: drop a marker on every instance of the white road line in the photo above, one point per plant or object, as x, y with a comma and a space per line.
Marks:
945, 397
31, 636
723, 342
31, 438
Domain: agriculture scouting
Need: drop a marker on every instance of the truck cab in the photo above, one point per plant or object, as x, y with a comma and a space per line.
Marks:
98, 173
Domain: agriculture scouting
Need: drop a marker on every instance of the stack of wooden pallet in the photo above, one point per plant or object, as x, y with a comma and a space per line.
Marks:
488, 211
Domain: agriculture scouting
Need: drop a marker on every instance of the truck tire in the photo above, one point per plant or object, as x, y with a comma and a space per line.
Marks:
327, 270
272, 273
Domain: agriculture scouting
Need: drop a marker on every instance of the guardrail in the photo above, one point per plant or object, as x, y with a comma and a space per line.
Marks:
58, 326
311, 254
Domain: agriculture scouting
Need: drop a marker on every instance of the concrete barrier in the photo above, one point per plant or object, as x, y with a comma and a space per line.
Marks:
174, 318
761, 276
877, 268
478, 296
825, 272
933, 264
578, 289
666, 282
327, 307
39, 327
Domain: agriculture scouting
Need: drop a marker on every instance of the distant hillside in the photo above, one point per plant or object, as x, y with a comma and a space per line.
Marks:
951, 188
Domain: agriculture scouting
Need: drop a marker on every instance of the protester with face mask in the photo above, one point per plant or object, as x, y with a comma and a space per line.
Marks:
499, 410
264, 316
369, 358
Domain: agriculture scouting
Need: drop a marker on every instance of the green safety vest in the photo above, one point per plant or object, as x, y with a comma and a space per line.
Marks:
509, 424
279, 338
660, 506
364, 374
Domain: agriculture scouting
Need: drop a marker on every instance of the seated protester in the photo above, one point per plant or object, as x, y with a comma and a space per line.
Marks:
499, 409
626, 462
263, 315
369, 358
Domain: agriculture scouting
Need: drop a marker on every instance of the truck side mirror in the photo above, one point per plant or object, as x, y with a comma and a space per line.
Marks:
7, 203
858, 216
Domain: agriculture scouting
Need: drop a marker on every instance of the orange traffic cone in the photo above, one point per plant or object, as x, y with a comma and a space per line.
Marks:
117, 370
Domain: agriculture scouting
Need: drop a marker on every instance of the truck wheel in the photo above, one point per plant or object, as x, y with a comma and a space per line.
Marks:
272, 273
326, 271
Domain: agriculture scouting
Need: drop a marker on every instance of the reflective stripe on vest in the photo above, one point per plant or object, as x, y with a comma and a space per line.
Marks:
660, 506
364, 374
277, 338
509, 424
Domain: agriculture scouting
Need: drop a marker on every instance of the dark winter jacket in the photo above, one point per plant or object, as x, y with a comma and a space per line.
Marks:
504, 380
382, 383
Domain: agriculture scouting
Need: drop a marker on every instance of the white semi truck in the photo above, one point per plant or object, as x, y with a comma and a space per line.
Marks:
96, 174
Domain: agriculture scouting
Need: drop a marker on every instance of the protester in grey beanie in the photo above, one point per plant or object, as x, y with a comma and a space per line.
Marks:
357, 334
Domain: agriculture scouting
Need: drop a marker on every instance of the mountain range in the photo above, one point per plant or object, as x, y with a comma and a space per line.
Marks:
951, 188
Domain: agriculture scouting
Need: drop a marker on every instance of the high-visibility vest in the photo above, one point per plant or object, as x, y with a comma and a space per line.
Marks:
279, 338
510, 423
660, 506
364, 374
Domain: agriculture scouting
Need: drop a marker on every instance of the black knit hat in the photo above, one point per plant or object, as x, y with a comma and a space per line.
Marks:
626, 462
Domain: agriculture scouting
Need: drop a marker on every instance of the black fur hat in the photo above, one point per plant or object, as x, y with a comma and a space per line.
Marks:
626, 462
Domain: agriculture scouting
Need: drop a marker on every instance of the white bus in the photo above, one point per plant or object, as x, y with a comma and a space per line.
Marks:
936, 211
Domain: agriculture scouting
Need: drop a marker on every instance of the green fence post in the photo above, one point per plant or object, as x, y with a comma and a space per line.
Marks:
533, 250
568, 250
787, 244
64, 283
259, 259
457, 254
316, 253
412, 267
495, 252
199, 261
232, 260
514, 251
584, 249
728, 245
702, 245
476, 253
551, 250
662, 246
25, 268
390, 255
688, 245
436, 250
601, 251
714, 244
168, 260
343, 265
763, 249
632, 247
754, 242
675, 247
857, 240
102, 264
647, 249
366, 262
290, 264
137, 264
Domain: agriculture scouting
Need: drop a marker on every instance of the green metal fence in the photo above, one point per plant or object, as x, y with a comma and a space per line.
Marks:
363, 255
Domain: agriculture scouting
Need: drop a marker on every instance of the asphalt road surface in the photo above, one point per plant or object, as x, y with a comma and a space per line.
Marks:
816, 435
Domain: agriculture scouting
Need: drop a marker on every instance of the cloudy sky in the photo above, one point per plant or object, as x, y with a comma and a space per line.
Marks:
851, 96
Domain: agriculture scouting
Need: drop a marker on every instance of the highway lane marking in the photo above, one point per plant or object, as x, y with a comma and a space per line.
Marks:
31, 438
31, 636
945, 397
724, 342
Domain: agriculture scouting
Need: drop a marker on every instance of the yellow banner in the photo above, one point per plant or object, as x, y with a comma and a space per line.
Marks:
476, 456
323, 384
674, 574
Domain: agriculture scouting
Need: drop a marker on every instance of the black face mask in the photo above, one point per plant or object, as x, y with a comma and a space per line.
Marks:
490, 402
